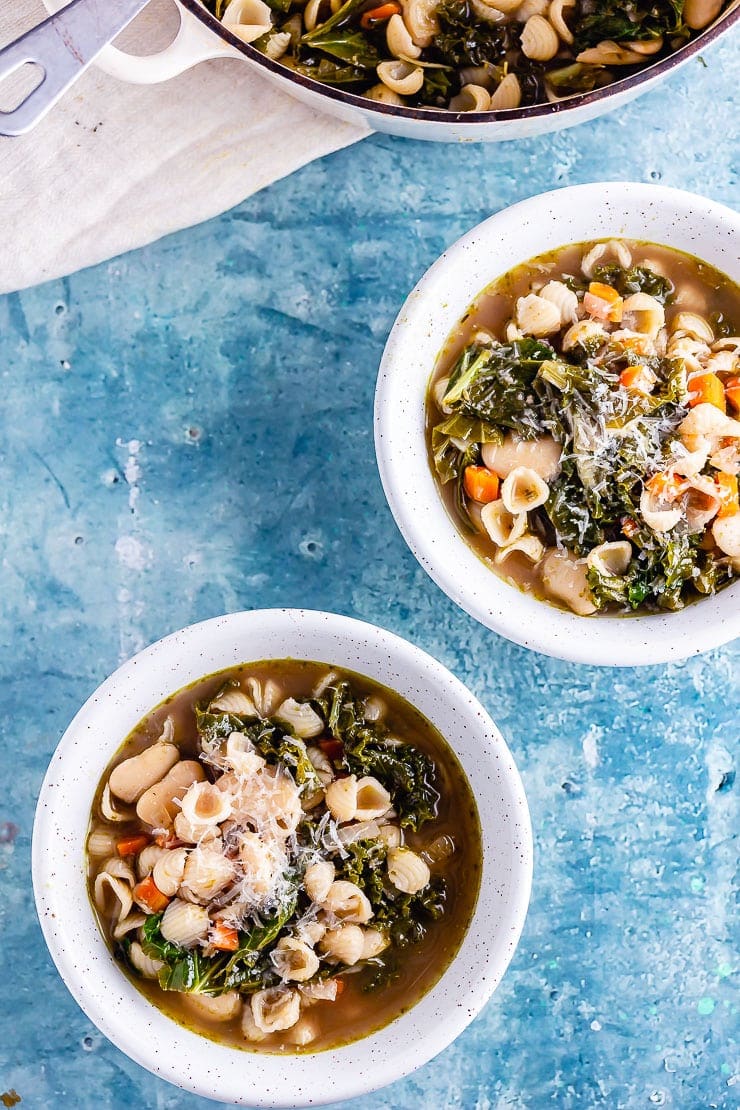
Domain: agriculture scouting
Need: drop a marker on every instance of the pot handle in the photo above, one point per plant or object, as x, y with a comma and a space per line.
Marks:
62, 47
192, 44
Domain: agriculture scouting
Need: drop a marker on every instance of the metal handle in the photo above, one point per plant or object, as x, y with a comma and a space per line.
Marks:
63, 46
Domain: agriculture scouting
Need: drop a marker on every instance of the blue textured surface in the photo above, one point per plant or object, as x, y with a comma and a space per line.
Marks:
187, 430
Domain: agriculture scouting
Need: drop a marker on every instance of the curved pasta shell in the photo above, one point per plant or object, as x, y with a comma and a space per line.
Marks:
233, 700
502, 526
399, 40
321, 765
359, 830
539, 39
529, 8
420, 16
220, 1007
242, 755
564, 299
373, 943
112, 896
564, 579
383, 95
204, 804
299, 716
401, 77
708, 420
372, 799
318, 878
647, 313
698, 14
341, 798
130, 779
144, 964
265, 695
726, 532
261, 862
110, 810
323, 990
537, 316
294, 960
250, 1029
373, 707
602, 252
658, 518
610, 558
101, 842
583, 333
128, 924
530, 546
304, 1031
343, 945
471, 98
311, 931
347, 903
277, 45
169, 869
407, 871
693, 325
247, 19
184, 923
556, 16
391, 836
275, 1009
147, 858
205, 874
523, 490
160, 803
508, 94
608, 53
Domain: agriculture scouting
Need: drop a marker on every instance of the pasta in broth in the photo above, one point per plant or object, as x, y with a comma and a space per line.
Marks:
584, 427
284, 858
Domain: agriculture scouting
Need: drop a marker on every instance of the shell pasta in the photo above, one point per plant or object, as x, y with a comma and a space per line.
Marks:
584, 427
465, 55
264, 857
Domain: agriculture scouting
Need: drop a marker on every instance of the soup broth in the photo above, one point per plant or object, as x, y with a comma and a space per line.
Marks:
295, 867
610, 369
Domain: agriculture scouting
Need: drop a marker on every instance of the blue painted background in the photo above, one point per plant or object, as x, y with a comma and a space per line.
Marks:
187, 430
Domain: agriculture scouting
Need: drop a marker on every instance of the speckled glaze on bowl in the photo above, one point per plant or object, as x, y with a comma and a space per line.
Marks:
605, 209
127, 1017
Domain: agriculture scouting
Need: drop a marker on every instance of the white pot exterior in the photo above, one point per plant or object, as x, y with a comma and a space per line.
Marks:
126, 1016
201, 38
681, 220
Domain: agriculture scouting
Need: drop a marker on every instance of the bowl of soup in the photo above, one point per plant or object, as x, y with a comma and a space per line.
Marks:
558, 423
282, 858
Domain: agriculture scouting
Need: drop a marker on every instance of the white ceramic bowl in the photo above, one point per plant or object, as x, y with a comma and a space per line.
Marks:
133, 1023
682, 220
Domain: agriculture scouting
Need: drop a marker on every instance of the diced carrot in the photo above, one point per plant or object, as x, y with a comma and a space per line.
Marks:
132, 845
148, 895
168, 840
706, 389
603, 302
481, 484
667, 486
332, 749
223, 937
382, 14
340, 986
640, 379
732, 392
629, 527
727, 491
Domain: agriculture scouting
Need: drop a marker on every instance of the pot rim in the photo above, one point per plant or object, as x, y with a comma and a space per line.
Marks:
565, 108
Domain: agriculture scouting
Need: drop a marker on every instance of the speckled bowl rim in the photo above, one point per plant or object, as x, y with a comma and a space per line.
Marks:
125, 1016
593, 211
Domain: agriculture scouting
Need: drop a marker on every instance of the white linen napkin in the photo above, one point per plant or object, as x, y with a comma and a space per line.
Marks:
114, 166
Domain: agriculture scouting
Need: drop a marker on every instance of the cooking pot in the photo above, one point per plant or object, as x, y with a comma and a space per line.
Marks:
201, 37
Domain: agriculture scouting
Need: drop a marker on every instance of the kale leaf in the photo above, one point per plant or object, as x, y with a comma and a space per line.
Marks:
406, 772
272, 738
638, 279
629, 21
494, 384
